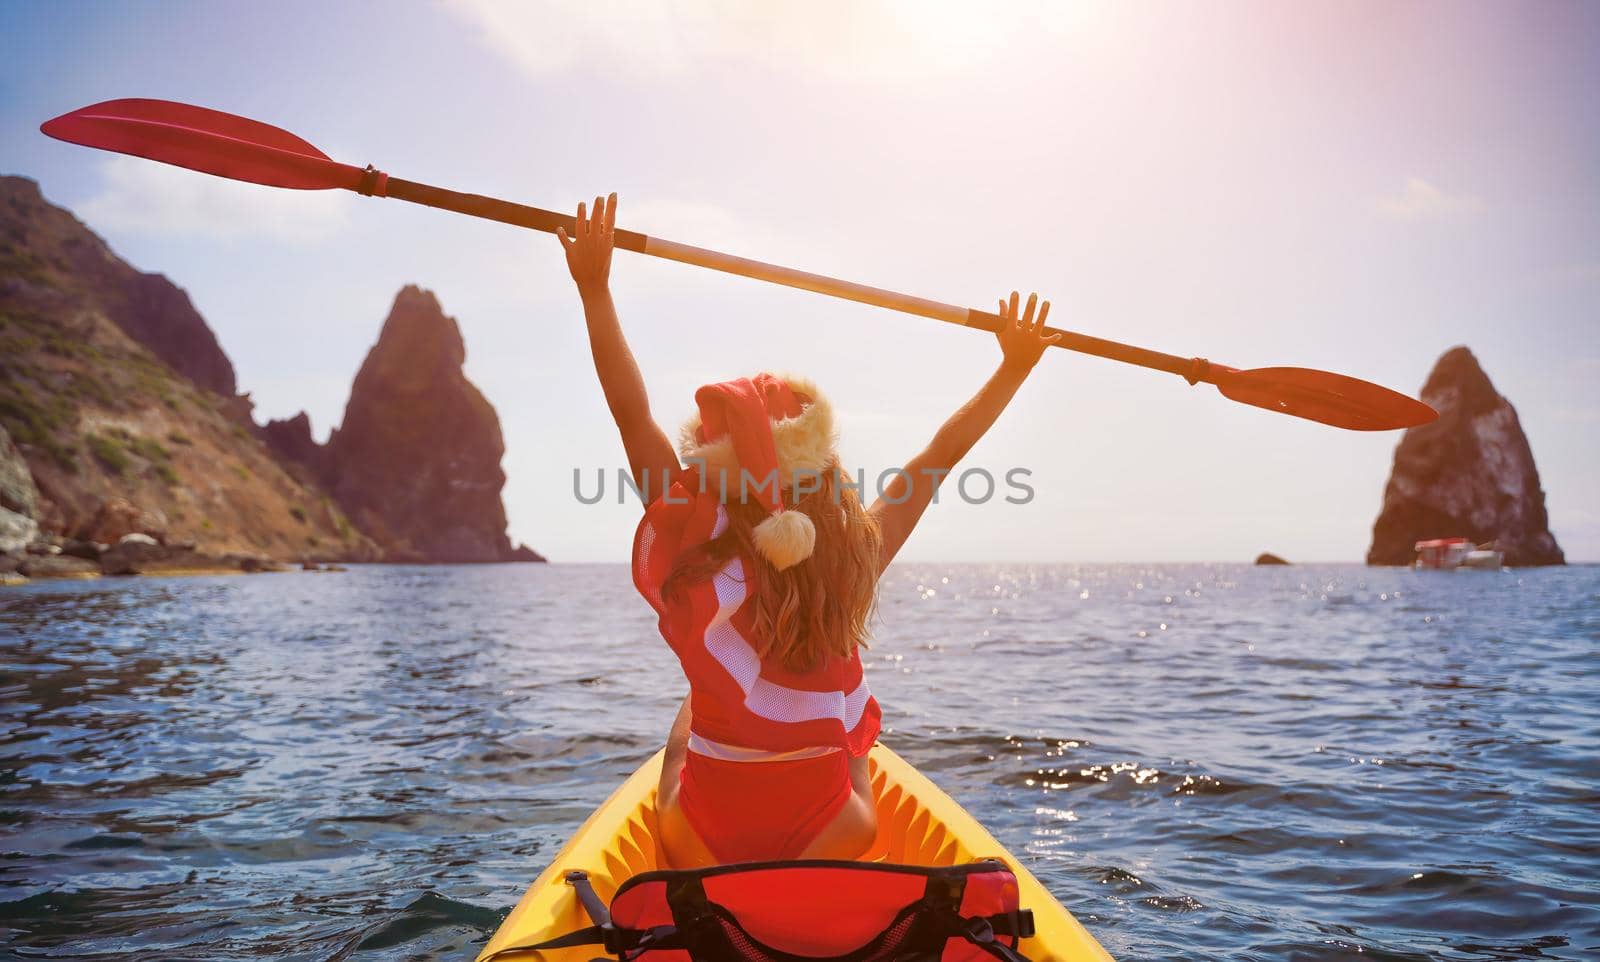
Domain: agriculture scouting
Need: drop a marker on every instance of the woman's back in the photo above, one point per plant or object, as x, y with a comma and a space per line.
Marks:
767, 756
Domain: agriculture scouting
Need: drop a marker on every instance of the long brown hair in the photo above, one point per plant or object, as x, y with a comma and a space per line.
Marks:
820, 607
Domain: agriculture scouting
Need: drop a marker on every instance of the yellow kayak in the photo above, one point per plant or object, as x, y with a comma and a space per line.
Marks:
917, 825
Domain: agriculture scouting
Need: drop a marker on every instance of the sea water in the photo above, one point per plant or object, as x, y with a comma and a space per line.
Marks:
1199, 761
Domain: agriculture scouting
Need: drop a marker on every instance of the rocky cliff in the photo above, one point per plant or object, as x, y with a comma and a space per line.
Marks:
44, 243
119, 419
19, 499
120, 405
416, 463
1469, 474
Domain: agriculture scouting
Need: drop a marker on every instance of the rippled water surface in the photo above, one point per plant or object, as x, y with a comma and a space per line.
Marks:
1206, 761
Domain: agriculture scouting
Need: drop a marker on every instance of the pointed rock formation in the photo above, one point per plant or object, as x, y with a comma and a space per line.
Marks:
1469, 474
416, 462
290, 439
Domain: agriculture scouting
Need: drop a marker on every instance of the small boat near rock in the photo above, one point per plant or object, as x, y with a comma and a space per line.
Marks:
1447, 553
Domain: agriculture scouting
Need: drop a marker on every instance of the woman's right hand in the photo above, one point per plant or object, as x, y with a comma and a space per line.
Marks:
1022, 338
589, 253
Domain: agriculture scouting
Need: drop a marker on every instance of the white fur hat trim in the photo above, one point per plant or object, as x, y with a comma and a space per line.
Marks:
805, 443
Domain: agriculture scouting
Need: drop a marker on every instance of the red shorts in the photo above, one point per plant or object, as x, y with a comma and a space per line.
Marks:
759, 811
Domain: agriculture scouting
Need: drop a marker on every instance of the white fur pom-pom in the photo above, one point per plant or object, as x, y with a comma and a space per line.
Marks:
786, 538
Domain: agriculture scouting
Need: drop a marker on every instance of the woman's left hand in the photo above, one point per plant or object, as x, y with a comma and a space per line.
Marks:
1022, 338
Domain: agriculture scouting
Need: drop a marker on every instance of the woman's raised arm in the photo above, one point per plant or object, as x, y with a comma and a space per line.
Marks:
1022, 343
651, 457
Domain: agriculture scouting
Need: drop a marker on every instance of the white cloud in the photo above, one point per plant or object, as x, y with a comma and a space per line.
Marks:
880, 39
143, 196
1420, 200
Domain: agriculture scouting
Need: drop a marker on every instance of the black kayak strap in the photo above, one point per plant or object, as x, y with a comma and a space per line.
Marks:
595, 934
979, 931
918, 931
591, 935
660, 937
692, 911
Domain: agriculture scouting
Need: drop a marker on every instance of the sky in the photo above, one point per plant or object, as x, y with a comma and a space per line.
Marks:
1352, 186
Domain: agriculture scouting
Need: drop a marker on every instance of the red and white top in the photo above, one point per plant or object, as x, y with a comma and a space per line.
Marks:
741, 702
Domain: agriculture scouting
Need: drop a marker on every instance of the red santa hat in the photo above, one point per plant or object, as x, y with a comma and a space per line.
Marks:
755, 438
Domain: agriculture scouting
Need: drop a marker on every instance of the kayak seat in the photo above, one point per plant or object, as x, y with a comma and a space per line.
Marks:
805, 911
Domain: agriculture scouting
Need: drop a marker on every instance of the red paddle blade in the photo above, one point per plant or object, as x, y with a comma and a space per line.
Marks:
1344, 402
209, 141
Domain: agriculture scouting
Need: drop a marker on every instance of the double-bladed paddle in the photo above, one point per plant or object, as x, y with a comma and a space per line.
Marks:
213, 142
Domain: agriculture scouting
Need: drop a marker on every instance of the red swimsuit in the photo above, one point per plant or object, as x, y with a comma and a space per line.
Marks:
769, 752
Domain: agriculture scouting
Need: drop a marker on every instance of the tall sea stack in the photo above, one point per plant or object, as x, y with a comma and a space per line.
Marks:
416, 463
1469, 474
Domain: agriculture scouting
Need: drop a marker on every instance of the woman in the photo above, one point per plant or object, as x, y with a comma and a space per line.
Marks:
762, 566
